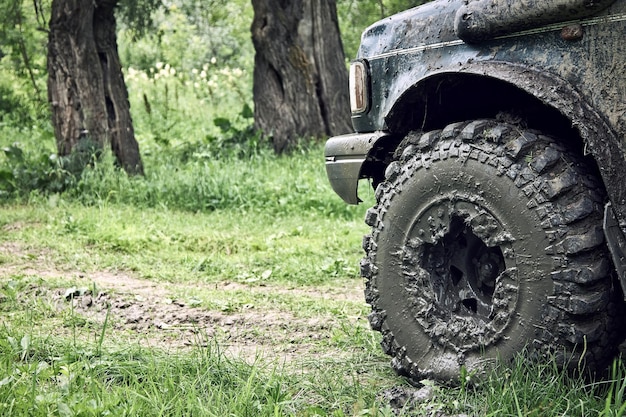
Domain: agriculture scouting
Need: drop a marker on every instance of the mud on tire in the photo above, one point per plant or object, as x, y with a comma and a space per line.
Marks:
486, 240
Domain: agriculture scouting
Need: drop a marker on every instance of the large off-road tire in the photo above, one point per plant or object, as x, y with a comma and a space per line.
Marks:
487, 241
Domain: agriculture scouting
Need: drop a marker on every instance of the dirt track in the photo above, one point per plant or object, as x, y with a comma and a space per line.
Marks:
145, 312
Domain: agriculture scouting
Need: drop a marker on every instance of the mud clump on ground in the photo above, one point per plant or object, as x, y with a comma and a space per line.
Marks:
154, 319
404, 399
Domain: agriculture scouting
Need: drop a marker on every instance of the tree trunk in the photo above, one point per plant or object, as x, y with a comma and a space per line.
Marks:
300, 77
86, 87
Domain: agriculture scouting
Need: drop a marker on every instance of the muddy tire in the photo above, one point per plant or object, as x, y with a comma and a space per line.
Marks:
486, 241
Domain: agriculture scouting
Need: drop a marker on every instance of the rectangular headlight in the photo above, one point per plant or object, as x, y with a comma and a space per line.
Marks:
359, 94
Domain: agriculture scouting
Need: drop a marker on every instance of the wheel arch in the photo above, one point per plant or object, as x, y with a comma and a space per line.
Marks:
498, 89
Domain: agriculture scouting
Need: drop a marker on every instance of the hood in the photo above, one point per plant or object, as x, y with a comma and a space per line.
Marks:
429, 24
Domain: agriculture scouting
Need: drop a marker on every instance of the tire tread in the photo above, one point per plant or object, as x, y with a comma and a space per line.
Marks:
559, 190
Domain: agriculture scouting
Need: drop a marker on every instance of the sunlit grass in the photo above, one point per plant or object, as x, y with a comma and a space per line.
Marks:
50, 371
305, 249
58, 362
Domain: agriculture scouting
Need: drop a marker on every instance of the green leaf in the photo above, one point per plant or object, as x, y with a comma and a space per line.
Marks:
14, 152
64, 410
222, 123
247, 112
6, 175
25, 343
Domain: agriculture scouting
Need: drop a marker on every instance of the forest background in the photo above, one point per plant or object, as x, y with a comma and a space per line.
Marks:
177, 57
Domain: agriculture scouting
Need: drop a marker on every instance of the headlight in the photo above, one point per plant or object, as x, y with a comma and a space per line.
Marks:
359, 94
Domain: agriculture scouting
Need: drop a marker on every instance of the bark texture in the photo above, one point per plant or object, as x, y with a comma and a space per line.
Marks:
300, 77
86, 88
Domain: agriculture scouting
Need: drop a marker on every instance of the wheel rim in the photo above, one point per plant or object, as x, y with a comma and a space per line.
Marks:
461, 272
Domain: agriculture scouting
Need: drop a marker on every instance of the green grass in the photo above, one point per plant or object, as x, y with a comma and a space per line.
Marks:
175, 246
88, 370
51, 378
57, 362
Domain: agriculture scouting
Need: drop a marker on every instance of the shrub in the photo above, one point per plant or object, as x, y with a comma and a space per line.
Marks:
25, 172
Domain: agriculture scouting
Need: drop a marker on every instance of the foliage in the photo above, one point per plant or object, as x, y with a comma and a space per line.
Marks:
354, 16
189, 34
192, 179
22, 35
200, 114
137, 15
17, 107
23, 173
27, 172
22, 61
172, 107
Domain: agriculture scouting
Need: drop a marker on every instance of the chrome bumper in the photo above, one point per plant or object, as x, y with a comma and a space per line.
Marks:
345, 156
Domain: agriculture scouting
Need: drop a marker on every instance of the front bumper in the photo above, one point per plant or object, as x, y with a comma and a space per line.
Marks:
345, 157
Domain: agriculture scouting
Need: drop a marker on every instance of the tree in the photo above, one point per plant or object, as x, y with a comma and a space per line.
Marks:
86, 88
300, 77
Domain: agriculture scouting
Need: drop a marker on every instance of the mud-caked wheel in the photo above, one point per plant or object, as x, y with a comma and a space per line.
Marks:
486, 241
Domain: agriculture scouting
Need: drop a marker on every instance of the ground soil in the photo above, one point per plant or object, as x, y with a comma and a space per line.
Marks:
144, 312
148, 313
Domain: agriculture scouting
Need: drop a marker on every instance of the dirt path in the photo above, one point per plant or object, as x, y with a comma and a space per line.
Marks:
146, 312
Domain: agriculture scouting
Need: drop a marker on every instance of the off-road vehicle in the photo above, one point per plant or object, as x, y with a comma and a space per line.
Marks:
493, 132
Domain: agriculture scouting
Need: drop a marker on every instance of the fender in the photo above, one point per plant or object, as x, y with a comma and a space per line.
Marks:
600, 140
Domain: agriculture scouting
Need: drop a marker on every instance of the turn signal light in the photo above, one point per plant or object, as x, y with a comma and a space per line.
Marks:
359, 94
